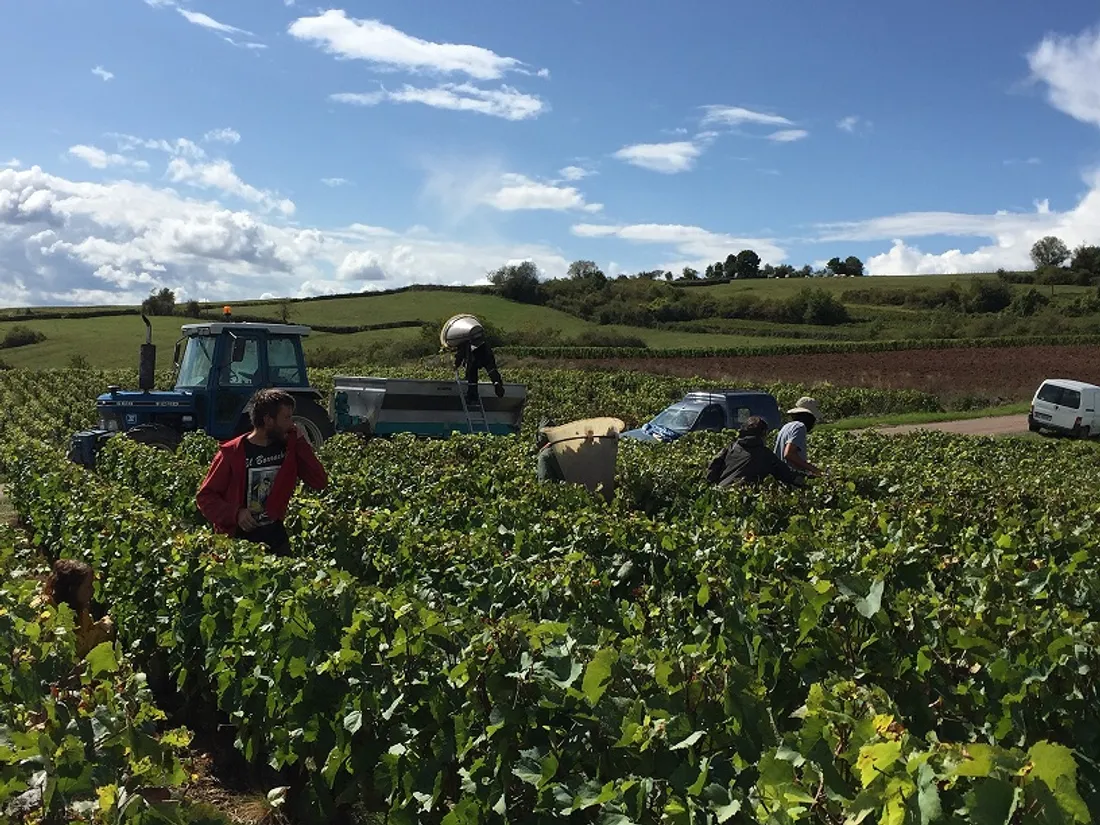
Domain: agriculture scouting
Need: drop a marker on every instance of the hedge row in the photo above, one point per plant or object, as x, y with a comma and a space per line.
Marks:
584, 353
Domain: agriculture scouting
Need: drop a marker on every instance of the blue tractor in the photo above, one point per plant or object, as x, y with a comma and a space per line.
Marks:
219, 366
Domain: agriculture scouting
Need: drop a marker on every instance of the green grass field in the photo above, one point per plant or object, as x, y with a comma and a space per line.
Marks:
785, 287
113, 341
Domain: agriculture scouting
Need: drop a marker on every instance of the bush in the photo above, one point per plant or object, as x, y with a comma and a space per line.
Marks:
160, 303
823, 308
1016, 277
21, 336
332, 357
1028, 303
518, 282
988, 296
1056, 275
539, 337
608, 338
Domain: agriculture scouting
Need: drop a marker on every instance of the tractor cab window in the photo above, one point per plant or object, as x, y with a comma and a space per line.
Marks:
197, 361
282, 361
244, 367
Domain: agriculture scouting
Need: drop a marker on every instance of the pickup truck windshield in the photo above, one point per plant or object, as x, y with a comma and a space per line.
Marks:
679, 417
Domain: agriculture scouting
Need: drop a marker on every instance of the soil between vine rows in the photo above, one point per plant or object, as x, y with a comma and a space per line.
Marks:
1009, 374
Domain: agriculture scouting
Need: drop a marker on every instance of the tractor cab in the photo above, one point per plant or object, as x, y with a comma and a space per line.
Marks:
219, 366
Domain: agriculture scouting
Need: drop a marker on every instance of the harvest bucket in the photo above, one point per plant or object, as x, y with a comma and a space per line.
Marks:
587, 452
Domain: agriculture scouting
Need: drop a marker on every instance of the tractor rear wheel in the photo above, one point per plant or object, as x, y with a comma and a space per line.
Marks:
312, 422
155, 435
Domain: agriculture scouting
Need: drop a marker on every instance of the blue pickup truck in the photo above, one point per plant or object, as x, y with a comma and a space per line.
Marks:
713, 410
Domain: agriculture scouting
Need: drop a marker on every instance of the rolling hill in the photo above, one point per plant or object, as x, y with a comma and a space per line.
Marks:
112, 340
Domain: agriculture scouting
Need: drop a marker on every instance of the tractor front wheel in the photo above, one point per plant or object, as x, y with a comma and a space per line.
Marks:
312, 422
155, 435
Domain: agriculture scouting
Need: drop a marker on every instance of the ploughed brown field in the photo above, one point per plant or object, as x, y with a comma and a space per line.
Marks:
1009, 374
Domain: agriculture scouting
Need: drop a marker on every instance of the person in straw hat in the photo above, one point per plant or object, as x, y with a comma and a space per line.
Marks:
790, 444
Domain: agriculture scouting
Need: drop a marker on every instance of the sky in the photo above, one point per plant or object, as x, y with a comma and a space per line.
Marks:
255, 148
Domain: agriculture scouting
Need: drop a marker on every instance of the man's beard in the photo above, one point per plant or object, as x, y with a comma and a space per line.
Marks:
276, 437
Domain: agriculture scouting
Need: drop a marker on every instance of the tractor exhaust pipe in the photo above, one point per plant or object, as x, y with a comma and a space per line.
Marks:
147, 362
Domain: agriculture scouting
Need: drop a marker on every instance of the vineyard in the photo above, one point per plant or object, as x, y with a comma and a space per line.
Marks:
913, 639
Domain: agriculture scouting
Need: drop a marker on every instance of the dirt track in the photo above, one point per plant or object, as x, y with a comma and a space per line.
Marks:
997, 425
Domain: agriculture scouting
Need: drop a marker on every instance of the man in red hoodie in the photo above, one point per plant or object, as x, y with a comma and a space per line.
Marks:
248, 487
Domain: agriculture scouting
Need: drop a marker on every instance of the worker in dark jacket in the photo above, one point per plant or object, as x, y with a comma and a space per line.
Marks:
749, 460
249, 485
476, 354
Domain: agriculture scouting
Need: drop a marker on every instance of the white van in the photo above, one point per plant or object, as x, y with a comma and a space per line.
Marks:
1069, 407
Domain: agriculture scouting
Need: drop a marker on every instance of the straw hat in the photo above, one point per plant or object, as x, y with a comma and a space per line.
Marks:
806, 405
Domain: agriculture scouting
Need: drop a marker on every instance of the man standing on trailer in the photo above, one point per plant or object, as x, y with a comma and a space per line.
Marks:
475, 354
247, 490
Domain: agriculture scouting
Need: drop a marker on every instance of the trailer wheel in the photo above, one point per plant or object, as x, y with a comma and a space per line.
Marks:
312, 422
157, 436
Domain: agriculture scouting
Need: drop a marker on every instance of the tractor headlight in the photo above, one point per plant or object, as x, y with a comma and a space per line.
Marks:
109, 423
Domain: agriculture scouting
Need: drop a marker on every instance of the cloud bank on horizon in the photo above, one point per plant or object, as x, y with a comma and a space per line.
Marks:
503, 158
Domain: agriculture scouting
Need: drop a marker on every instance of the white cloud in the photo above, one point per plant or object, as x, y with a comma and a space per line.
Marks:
388, 48
575, 173
543, 73
361, 266
1024, 162
222, 136
788, 135
99, 159
180, 147
853, 124
1070, 68
736, 115
220, 175
243, 45
667, 158
14, 163
335, 182
208, 22
103, 74
951, 224
65, 241
1012, 235
518, 192
698, 245
506, 102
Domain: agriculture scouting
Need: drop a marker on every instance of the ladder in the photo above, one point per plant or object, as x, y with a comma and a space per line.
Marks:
473, 410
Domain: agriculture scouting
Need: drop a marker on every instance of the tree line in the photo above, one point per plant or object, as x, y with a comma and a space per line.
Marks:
1055, 264
646, 301
740, 266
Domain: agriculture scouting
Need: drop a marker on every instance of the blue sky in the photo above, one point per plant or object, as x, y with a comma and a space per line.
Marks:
273, 147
